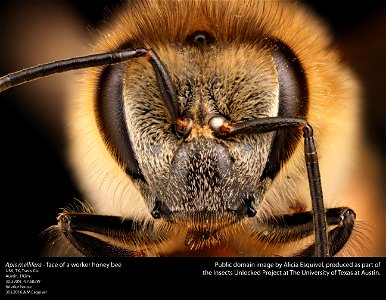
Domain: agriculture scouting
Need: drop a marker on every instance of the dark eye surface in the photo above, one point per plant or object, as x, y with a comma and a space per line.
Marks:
293, 102
111, 118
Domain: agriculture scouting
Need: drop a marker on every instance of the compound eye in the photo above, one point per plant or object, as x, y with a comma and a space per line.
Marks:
183, 126
111, 118
220, 126
294, 102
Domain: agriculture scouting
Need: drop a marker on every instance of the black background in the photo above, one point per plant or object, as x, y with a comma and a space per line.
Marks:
35, 182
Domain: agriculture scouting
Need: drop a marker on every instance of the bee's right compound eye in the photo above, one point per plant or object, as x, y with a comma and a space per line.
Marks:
112, 120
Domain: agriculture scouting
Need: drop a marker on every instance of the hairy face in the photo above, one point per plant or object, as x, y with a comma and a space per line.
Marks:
197, 178
155, 126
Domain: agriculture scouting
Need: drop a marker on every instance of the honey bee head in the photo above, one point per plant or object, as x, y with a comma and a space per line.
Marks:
234, 68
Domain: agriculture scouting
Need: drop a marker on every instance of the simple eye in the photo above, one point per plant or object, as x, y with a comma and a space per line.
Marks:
293, 102
111, 119
199, 38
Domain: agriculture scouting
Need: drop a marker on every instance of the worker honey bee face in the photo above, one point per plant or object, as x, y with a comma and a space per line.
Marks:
235, 69
185, 172
187, 138
196, 172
